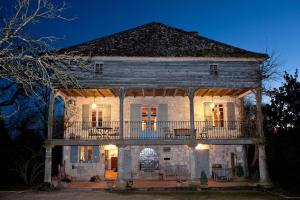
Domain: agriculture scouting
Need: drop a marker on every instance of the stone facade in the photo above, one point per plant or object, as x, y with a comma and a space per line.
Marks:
172, 158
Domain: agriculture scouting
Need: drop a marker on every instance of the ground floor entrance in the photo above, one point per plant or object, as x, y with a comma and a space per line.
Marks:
110, 162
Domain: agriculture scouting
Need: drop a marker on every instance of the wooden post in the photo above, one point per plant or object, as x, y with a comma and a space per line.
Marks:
48, 164
122, 94
120, 181
263, 171
50, 114
192, 155
191, 94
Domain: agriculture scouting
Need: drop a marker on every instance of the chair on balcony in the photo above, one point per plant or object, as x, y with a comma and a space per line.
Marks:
167, 132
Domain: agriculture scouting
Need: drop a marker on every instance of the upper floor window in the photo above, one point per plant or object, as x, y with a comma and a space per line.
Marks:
97, 118
98, 68
149, 115
213, 69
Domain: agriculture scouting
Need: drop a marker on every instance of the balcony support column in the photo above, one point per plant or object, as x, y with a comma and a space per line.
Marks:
48, 164
50, 114
121, 184
191, 94
263, 171
192, 155
122, 94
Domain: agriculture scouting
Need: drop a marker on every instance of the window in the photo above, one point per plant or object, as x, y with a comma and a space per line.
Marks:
99, 68
148, 160
149, 117
97, 118
85, 154
214, 115
213, 69
218, 115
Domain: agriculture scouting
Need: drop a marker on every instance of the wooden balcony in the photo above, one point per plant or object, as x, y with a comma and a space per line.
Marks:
163, 132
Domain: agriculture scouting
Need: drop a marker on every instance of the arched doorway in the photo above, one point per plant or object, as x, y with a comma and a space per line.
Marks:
148, 160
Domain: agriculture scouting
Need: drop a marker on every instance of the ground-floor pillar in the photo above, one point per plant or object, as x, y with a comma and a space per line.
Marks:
120, 181
192, 154
263, 171
48, 164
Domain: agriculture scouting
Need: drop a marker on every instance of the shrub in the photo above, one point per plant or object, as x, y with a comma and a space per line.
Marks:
96, 178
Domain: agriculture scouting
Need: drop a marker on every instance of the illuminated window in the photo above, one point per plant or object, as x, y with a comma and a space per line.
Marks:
97, 118
149, 117
85, 153
218, 115
99, 68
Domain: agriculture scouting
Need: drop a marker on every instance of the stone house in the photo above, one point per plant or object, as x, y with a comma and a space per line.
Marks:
158, 102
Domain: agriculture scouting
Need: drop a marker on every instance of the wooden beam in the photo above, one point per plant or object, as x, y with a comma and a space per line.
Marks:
100, 93
112, 92
165, 91
143, 92
229, 92
175, 92
184, 93
153, 92
205, 92
245, 93
80, 92
235, 93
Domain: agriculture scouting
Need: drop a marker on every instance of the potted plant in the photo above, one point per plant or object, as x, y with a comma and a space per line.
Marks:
203, 180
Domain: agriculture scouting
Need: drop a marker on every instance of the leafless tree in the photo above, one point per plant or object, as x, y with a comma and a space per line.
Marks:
28, 61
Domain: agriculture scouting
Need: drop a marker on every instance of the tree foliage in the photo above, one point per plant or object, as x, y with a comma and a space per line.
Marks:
282, 133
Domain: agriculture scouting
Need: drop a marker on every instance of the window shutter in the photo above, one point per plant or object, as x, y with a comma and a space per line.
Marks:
135, 119
74, 154
207, 112
162, 112
162, 118
85, 116
106, 115
231, 115
96, 157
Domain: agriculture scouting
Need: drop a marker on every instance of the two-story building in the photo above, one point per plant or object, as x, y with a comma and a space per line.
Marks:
158, 102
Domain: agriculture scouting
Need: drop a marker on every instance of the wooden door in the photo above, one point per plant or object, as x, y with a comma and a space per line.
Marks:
232, 156
114, 162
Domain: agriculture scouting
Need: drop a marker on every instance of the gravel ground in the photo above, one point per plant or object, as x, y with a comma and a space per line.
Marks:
102, 195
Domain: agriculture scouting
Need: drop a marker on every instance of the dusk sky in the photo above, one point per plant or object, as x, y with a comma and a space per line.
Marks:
254, 25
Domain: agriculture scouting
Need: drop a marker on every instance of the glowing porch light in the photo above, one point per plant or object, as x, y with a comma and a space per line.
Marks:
110, 147
202, 147
212, 105
94, 105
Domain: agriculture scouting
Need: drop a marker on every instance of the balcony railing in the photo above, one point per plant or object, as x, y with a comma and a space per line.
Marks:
163, 130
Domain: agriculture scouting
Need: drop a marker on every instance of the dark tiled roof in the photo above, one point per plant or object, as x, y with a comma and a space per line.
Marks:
158, 40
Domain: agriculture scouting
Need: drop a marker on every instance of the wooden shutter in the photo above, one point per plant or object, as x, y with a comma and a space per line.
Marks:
135, 120
202, 162
162, 118
74, 154
96, 157
106, 112
85, 116
207, 112
231, 115
127, 168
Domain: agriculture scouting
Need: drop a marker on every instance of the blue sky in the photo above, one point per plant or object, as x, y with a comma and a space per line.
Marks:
254, 25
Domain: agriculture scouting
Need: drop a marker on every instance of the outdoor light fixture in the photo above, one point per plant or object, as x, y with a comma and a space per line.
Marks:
202, 147
94, 105
212, 105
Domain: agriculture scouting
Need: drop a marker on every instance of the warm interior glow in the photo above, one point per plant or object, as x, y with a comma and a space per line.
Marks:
202, 146
212, 105
110, 147
94, 106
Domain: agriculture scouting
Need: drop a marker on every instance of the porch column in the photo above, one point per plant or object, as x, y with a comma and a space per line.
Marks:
50, 115
122, 94
263, 171
192, 154
48, 164
191, 94
120, 181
